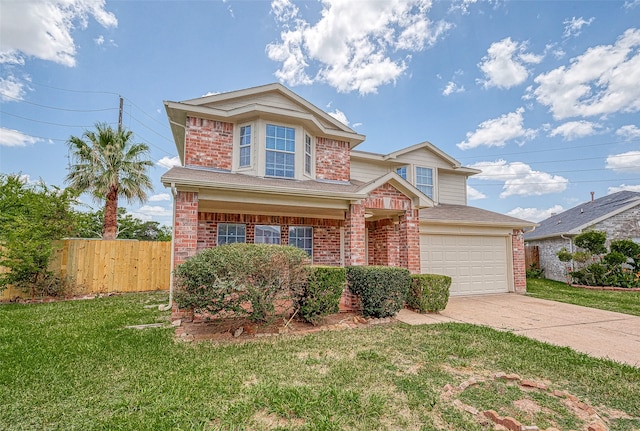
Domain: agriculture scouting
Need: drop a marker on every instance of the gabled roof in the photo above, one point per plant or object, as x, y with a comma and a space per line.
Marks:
420, 200
462, 214
455, 164
218, 107
575, 220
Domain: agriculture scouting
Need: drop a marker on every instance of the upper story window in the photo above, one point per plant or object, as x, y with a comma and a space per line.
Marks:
280, 151
307, 154
402, 171
424, 181
265, 234
229, 233
245, 146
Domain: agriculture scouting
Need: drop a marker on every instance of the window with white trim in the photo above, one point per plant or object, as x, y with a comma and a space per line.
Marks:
280, 151
245, 146
402, 171
307, 154
302, 237
229, 233
424, 180
266, 234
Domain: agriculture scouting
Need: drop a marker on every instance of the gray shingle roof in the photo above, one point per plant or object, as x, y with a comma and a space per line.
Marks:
572, 221
447, 213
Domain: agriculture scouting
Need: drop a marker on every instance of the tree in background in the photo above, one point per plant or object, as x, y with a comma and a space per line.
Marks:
89, 225
32, 217
109, 165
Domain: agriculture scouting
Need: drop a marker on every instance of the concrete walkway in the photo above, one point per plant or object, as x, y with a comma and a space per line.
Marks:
599, 333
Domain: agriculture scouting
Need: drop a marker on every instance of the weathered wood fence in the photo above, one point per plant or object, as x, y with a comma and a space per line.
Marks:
531, 256
97, 266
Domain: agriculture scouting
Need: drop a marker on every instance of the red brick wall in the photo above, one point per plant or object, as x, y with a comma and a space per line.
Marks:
326, 232
410, 241
384, 246
208, 143
354, 237
387, 197
519, 265
333, 160
186, 226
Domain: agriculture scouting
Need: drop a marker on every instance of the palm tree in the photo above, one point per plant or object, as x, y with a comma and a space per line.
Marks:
108, 165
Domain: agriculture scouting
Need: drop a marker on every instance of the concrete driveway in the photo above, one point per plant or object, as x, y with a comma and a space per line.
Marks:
599, 333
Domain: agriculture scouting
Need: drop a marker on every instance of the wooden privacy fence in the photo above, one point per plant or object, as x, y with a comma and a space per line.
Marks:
97, 266
531, 256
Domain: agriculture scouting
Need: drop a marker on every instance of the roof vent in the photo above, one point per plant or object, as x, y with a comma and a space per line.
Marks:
592, 195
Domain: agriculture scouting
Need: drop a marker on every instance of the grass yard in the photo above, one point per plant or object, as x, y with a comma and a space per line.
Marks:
622, 302
74, 366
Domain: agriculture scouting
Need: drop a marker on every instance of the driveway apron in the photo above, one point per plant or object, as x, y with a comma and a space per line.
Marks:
599, 333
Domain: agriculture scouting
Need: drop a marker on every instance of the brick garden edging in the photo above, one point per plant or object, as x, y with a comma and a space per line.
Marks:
596, 422
616, 289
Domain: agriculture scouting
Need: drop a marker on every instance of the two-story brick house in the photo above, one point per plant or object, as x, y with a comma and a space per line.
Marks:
264, 165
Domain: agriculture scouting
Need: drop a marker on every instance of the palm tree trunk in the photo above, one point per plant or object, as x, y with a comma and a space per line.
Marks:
110, 227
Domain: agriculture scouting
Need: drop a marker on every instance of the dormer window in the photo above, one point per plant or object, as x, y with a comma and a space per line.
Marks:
245, 146
424, 180
280, 151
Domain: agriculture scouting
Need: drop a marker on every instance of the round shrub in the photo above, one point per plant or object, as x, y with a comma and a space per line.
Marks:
429, 292
320, 295
382, 289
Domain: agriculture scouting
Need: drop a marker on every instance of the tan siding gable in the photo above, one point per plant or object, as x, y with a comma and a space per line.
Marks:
268, 99
366, 171
452, 189
423, 157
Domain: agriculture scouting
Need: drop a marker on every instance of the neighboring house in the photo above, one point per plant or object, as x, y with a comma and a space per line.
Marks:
264, 165
617, 214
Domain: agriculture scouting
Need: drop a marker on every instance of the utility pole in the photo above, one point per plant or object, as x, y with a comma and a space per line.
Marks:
120, 114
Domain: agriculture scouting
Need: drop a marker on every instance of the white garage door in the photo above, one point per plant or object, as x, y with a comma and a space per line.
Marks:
476, 264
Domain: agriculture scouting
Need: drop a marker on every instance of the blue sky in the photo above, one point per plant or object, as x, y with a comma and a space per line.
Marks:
543, 96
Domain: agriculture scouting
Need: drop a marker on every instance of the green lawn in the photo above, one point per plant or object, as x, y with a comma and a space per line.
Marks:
622, 302
74, 366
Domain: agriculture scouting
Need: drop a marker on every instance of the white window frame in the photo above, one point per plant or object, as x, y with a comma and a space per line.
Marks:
420, 186
308, 154
277, 151
247, 146
399, 168
304, 238
226, 235
262, 238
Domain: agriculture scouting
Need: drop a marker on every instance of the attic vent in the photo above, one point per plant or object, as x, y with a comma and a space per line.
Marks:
559, 221
581, 210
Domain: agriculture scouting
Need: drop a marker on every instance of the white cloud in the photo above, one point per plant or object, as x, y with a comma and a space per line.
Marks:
99, 40
14, 138
573, 26
631, 188
160, 197
601, 81
11, 89
575, 129
151, 212
463, 6
169, 162
498, 131
43, 29
340, 116
631, 3
519, 179
474, 194
355, 46
451, 88
504, 64
624, 162
535, 214
629, 132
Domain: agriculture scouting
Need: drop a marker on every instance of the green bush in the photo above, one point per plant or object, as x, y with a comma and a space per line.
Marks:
429, 292
321, 293
534, 271
593, 241
629, 249
382, 289
243, 279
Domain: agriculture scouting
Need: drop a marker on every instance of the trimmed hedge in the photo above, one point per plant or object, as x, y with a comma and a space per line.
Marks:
241, 279
320, 295
382, 289
429, 292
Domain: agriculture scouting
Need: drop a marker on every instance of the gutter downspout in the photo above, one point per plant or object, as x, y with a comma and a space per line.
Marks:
174, 193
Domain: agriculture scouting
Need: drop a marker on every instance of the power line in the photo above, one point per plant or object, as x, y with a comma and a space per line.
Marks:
54, 107
46, 122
